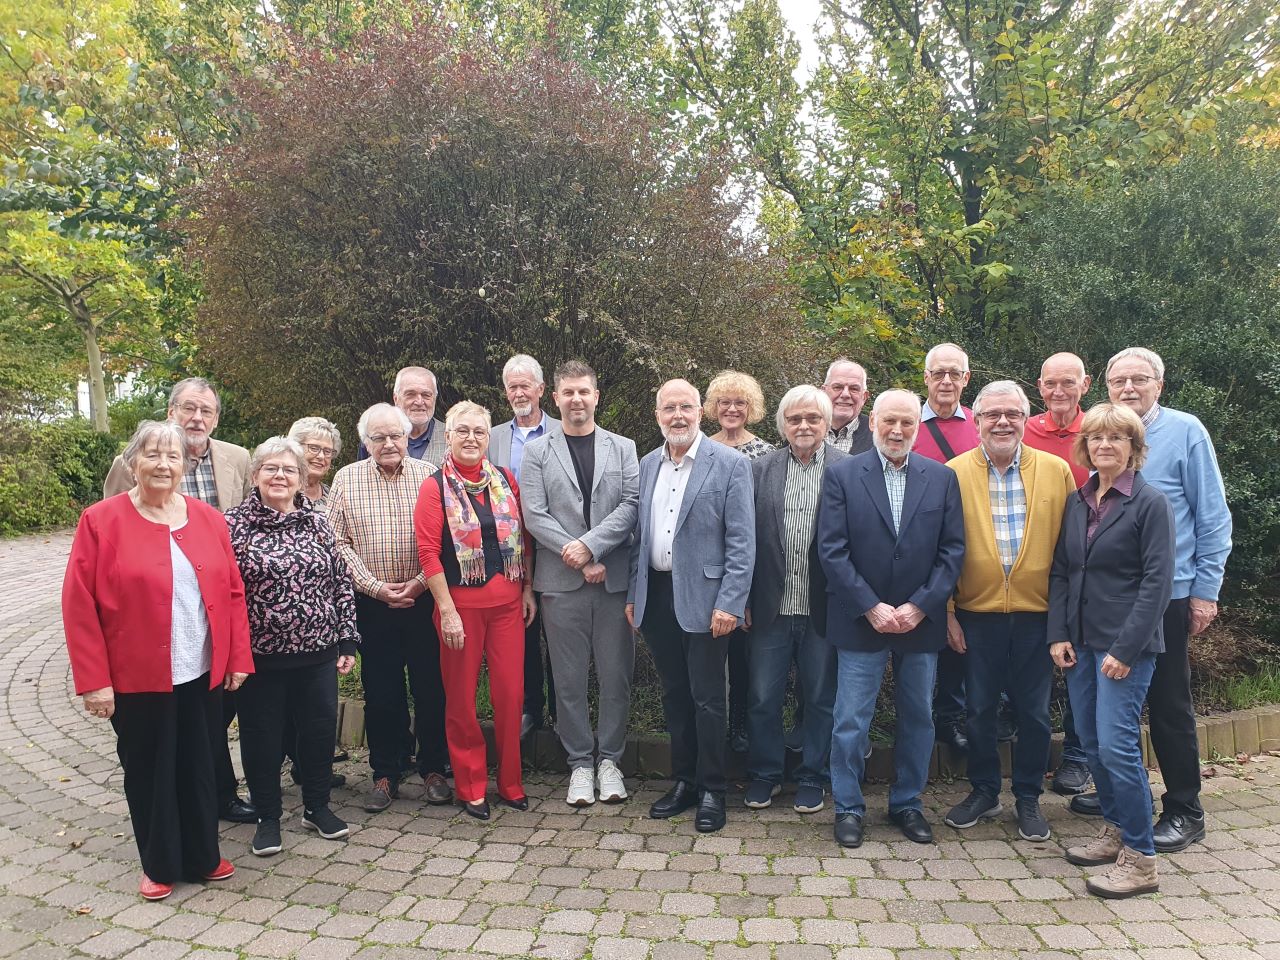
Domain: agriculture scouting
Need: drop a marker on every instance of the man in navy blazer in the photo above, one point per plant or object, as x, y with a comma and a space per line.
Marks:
891, 541
691, 560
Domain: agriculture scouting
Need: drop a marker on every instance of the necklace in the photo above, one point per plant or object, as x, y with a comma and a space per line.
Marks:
169, 513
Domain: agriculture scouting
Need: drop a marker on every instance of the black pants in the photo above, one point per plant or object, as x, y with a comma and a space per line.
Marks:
535, 669
692, 669
739, 677
1172, 716
224, 772
165, 744
391, 641
948, 696
307, 695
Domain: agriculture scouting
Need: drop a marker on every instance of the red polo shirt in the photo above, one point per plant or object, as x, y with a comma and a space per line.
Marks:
1044, 434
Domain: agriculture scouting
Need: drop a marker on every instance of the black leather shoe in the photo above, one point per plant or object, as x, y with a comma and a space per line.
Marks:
1177, 831
710, 815
519, 803
913, 825
1086, 804
676, 800
848, 830
238, 811
951, 733
479, 809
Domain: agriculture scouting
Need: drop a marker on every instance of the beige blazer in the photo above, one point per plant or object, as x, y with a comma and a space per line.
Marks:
230, 475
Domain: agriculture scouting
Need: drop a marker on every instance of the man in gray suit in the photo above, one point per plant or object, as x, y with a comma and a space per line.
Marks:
579, 490
789, 604
691, 561
523, 382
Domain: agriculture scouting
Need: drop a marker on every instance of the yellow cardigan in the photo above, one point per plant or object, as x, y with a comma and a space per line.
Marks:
983, 586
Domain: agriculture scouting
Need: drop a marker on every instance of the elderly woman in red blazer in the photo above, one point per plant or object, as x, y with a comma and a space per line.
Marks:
154, 612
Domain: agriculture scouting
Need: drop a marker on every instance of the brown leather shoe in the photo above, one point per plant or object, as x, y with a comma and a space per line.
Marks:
438, 791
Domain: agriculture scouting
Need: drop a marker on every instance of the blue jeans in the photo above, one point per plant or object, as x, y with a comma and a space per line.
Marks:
1108, 715
860, 675
1007, 651
768, 663
1071, 748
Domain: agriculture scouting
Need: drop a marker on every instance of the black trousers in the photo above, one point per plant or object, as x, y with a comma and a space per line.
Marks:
165, 744
1172, 716
392, 641
948, 696
224, 772
307, 696
536, 668
692, 669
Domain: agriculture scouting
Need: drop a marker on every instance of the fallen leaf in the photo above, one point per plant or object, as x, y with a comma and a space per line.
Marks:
77, 844
84, 909
64, 779
1209, 772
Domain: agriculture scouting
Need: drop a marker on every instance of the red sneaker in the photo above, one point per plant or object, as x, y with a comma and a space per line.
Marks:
151, 890
224, 869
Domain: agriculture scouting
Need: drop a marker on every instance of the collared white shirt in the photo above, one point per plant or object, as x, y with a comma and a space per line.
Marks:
895, 486
668, 495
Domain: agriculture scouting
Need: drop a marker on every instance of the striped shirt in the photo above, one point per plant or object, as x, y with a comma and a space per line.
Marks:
1008, 508
800, 498
199, 482
895, 485
372, 518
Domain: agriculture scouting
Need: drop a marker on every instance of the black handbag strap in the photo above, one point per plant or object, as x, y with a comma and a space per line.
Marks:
939, 438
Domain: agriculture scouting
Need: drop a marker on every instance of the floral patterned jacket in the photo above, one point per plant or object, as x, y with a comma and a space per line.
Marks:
301, 600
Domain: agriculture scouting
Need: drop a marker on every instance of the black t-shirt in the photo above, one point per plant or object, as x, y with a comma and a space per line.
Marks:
583, 452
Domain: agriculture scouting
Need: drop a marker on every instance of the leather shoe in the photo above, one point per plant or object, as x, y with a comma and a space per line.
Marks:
913, 825
676, 800
1177, 831
529, 723
238, 811
951, 733
437, 789
479, 809
519, 803
1086, 804
710, 815
848, 830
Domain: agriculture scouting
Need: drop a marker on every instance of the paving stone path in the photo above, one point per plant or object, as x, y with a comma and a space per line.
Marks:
424, 882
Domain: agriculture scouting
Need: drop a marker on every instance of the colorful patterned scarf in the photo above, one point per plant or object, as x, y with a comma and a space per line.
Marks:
464, 526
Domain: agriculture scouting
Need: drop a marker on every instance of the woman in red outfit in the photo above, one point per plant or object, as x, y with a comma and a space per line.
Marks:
475, 554
154, 612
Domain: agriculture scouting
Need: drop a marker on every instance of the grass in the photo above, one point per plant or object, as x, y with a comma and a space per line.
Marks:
1242, 691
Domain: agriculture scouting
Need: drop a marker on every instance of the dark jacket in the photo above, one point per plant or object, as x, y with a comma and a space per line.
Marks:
1111, 594
769, 474
866, 563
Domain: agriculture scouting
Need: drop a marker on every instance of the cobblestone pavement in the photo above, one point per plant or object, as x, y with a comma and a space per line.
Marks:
426, 882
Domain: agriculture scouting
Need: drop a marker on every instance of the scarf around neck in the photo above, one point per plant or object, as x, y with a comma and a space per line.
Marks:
464, 525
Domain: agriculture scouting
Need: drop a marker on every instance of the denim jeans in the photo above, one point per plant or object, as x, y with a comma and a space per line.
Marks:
769, 662
1108, 713
1007, 651
860, 674
1071, 748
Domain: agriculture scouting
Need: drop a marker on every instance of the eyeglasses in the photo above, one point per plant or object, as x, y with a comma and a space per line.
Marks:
271, 469
955, 376
1112, 438
812, 419
671, 409
318, 451
726, 404
380, 438
994, 416
191, 409
464, 432
1140, 381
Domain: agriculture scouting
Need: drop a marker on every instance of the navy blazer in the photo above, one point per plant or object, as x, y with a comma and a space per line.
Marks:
1111, 594
867, 563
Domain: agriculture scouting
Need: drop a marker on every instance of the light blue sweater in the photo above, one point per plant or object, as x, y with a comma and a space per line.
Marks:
1181, 464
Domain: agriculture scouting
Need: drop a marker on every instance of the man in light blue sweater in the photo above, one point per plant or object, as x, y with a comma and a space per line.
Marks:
1180, 464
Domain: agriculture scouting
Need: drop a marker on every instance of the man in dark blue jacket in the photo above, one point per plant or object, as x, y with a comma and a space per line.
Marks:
891, 542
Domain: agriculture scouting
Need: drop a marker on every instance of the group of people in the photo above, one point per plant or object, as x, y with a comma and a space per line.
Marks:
1092, 540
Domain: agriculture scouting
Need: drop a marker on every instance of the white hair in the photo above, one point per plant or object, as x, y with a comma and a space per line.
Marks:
853, 363
1139, 353
875, 405
928, 357
1002, 388
804, 393
157, 431
435, 384
522, 363
376, 410
275, 447
305, 428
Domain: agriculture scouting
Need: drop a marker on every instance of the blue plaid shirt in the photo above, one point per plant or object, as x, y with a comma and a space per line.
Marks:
1008, 508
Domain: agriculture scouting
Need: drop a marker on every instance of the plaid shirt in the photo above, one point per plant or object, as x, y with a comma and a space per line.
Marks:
372, 519
1008, 508
895, 485
800, 497
199, 482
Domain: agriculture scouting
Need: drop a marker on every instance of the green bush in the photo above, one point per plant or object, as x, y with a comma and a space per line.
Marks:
49, 472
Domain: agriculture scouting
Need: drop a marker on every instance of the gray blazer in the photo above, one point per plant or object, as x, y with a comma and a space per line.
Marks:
552, 504
715, 542
769, 474
500, 444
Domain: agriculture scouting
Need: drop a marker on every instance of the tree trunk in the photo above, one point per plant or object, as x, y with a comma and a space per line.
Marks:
97, 381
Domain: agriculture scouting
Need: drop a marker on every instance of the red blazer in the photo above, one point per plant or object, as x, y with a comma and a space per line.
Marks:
117, 597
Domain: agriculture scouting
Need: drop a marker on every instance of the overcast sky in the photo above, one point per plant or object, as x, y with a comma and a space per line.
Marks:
801, 16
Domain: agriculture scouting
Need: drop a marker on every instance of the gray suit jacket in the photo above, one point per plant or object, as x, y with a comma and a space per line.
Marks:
500, 444
230, 475
715, 541
552, 504
769, 473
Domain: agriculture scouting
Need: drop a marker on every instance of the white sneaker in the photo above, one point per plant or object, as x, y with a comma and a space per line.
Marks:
609, 782
581, 784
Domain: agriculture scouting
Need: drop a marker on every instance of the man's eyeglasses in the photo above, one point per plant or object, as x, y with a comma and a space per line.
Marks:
994, 416
191, 409
955, 376
671, 409
380, 438
1140, 381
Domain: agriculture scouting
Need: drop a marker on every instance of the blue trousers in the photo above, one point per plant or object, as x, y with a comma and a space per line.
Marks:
1108, 715
859, 675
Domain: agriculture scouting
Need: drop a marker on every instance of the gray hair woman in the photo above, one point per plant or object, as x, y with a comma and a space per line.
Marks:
321, 444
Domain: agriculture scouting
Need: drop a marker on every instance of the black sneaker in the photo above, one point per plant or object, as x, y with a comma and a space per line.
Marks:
976, 806
1071, 778
324, 822
1031, 822
266, 839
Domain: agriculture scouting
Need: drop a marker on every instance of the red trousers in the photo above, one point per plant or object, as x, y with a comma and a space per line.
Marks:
497, 634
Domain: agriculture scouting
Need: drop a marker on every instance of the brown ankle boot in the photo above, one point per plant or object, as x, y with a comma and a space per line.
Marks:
1104, 848
1133, 874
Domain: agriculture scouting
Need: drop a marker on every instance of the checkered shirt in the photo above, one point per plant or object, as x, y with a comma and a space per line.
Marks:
199, 482
800, 496
1008, 508
895, 485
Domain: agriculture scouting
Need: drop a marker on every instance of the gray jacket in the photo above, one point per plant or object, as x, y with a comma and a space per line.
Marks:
500, 443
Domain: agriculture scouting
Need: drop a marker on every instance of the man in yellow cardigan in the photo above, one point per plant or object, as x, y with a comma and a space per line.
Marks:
1013, 498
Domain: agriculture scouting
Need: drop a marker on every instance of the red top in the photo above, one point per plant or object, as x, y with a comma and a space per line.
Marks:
960, 432
117, 597
428, 525
1044, 434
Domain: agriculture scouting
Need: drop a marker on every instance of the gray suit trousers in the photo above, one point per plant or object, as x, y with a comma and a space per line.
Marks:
584, 625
